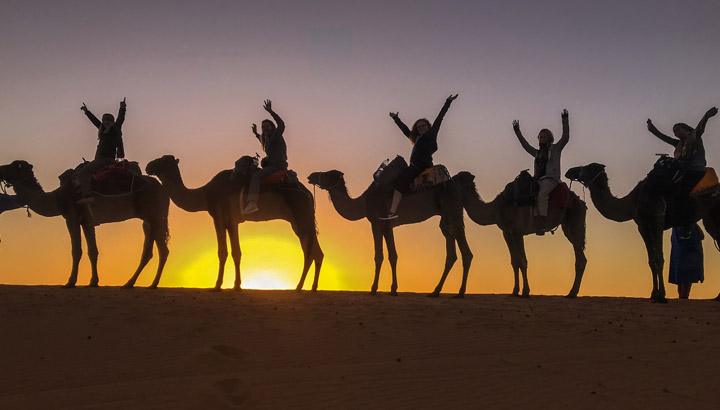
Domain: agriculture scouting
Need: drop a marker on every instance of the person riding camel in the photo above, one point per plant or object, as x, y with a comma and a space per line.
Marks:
690, 155
423, 137
273, 143
547, 164
109, 149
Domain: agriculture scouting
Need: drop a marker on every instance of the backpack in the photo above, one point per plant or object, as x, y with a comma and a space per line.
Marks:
388, 172
524, 189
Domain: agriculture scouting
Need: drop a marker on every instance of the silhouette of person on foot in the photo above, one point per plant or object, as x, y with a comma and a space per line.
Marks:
273, 143
423, 136
690, 155
547, 164
109, 149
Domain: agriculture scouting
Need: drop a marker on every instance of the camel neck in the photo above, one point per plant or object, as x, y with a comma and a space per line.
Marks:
41, 202
611, 207
481, 212
349, 208
190, 200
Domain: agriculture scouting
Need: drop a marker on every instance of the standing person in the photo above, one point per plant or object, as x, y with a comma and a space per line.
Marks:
686, 260
547, 164
273, 143
109, 149
690, 154
423, 137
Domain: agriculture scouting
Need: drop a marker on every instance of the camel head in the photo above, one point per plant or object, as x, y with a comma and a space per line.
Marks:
162, 166
16, 171
585, 174
326, 180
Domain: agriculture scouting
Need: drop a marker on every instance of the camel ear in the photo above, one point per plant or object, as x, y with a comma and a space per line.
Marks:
177, 160
19, 165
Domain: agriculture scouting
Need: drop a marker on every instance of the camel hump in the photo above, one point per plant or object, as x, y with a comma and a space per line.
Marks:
430, 177
709, 184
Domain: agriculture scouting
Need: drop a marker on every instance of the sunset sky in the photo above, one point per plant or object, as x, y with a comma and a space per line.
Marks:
195, 76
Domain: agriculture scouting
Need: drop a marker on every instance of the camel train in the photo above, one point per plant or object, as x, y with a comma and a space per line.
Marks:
678, 192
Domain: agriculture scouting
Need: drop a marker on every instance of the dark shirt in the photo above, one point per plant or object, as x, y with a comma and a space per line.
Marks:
110, 143
274, 146
425, 145
694, 160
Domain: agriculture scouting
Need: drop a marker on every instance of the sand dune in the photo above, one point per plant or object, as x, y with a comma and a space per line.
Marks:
188, 348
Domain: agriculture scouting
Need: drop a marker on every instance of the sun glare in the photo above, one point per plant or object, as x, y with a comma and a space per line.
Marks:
268, 262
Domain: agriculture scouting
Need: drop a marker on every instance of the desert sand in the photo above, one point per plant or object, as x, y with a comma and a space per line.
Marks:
189, 348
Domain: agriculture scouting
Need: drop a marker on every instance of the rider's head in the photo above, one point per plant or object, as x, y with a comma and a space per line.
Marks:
682, 130
108, 120
267, 127
545, 136
420, 127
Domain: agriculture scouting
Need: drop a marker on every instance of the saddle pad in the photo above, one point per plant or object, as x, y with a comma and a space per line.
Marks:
122, 168
430, 177
560, 197
275, 178
709, 183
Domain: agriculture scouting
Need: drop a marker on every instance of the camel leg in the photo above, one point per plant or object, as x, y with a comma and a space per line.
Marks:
389, 235
222, 253
160, 236
76, 243
652, 236
514, 261
147, 254
467, 257
236, 253
377, 240
318, 257
89, 232
574, 230
450, 258
519, 241
712, 225
306, 243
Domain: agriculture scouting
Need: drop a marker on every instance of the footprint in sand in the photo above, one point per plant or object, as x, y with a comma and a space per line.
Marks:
233, 391
229, 351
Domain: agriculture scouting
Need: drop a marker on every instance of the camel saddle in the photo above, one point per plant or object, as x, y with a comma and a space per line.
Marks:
114, 179
523, 191
430, 177
389, 170
709, 184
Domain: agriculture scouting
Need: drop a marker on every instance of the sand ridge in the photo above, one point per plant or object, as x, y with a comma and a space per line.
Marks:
189, 348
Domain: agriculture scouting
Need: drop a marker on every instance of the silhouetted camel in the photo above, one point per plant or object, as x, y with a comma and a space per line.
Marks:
442, 199
517, 221
148, 202
221, 200
649, 211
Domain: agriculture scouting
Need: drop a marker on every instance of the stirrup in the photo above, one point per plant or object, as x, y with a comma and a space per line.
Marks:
250, 208
388, 217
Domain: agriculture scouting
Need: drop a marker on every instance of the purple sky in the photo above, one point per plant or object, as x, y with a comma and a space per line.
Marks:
195, 76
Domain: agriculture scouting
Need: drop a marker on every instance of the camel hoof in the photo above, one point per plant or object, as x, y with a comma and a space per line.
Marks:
152, 287
525, 296
434, 295
660, 299
514, 295
459, 296
393, 293
237, 288
571, 296
128, 286
215, 289
69, 286
298, 289
92, 285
